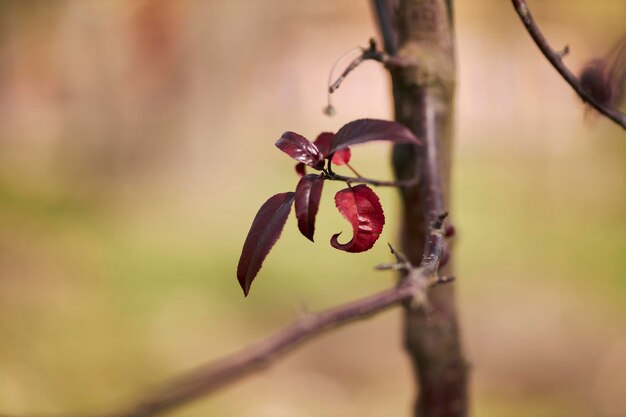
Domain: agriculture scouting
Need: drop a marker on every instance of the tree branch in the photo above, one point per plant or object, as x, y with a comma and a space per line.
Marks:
211, 377
556, 60
442, 371
206, 379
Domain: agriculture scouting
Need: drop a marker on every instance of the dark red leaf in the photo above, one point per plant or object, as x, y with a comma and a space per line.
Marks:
367, 130
323, 141
299, 148
264, 232
300, 169
361, 207
308, 194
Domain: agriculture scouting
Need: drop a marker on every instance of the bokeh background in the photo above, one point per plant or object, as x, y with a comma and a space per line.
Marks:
136, 144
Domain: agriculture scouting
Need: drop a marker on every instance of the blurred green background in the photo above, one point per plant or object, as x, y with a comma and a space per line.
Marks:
136, 144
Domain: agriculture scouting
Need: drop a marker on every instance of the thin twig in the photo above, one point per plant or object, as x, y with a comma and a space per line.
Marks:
376, 183
355, 63
329, 110
555, 59
371, 53
333, 176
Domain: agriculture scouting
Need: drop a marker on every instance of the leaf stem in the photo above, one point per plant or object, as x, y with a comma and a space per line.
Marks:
353, 170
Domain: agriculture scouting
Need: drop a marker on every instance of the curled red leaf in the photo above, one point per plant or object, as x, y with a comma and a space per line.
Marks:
367, 130
299, 148
308, 194
264, 232
361, 207
323, 141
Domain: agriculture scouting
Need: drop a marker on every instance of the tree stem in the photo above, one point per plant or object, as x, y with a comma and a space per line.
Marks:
423, 101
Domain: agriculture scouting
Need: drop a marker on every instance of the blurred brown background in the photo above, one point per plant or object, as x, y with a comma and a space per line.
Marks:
136, 144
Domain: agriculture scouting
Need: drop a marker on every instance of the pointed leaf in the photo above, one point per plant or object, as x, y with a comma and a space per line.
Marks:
361, 207
367, 130
308, 194
341, 157
299, 148
264, 232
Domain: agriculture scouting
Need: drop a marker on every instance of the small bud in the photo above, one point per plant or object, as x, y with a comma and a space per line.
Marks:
595, 81
329, 110
604, 79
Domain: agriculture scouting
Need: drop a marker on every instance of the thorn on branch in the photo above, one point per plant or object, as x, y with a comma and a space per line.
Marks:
563, 52
400, 257
402, 263
437, 224
420, 279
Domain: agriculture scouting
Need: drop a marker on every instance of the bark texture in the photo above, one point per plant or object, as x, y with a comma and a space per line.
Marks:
423, 100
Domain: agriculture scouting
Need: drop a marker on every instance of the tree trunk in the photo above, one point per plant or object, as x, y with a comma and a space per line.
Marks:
423, 99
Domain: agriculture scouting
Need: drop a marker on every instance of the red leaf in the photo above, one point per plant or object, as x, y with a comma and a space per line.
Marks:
300, 169
361, 207
308, 194
299, 148
264, 232
323, 141
342, 156
367, 130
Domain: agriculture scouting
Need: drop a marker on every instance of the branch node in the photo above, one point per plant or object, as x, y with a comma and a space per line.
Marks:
420, 302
